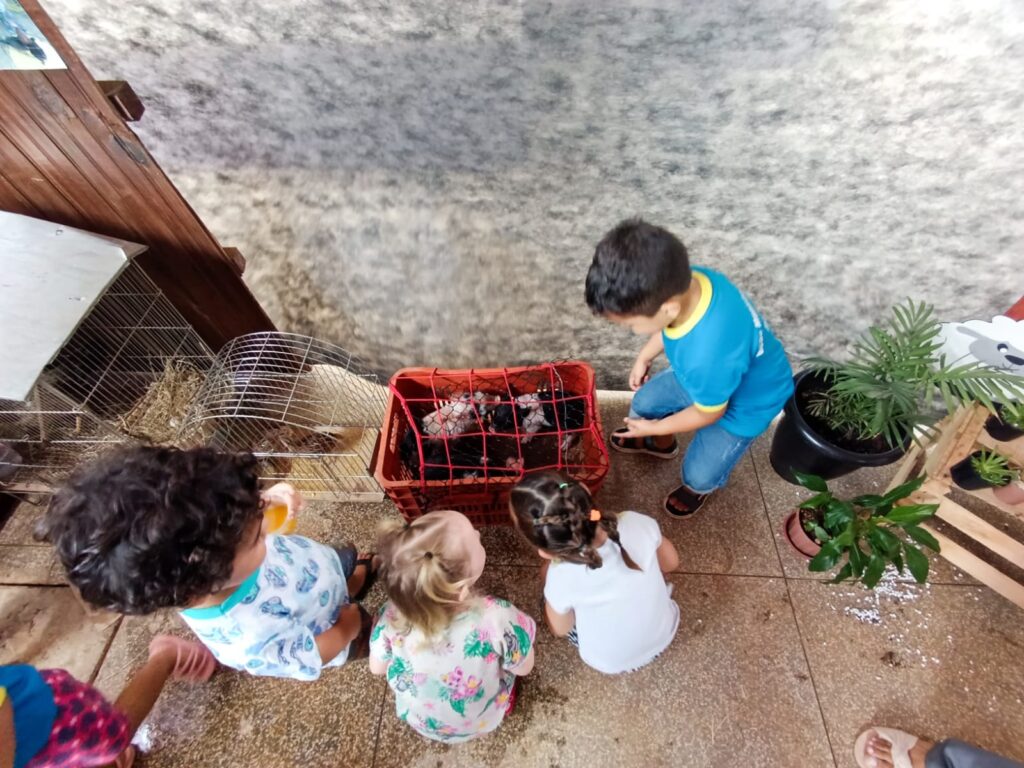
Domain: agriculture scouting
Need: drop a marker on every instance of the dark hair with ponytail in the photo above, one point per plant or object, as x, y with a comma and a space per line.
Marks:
555, 515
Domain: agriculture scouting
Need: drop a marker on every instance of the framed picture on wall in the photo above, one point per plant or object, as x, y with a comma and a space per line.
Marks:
22, 45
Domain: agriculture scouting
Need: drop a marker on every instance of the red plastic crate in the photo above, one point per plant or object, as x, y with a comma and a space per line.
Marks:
524, 419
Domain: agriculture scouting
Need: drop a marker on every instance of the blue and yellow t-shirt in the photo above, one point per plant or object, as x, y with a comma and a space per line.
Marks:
725, 356
33, 709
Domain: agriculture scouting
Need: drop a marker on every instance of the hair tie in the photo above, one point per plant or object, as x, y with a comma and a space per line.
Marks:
595, 515
562, 485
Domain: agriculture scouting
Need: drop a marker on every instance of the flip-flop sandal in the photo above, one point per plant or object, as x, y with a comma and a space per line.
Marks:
193, 661
683, 502
900, 742
371, 575
641, 445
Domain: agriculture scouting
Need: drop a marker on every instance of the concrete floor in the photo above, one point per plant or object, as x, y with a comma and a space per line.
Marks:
770, 667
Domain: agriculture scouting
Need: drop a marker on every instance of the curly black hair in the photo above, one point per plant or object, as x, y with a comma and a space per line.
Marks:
145, 528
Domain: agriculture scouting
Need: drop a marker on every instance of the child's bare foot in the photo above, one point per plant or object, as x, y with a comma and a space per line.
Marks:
879, 752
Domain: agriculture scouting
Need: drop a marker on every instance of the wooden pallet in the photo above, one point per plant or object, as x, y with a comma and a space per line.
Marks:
957, 437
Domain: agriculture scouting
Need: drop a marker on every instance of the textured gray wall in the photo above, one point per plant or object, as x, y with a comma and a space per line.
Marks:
423, 181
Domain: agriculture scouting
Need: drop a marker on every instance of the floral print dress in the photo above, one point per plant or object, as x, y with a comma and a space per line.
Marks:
455, 686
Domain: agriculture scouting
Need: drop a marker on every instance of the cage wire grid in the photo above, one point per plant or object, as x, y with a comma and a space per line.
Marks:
103, 387
307, 409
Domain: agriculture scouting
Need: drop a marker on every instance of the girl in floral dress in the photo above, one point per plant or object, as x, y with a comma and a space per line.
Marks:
451, 656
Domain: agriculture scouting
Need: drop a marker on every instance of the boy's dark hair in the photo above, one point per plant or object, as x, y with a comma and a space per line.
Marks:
144, 528
637, 267
553, 513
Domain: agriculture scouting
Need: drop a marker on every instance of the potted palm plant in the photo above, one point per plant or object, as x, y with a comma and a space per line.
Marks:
983, 469
865, 411
866, 533
1007, 423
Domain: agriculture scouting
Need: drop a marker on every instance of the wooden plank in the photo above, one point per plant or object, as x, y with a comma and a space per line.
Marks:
31, 185
978, 568
51, 161
907, 466
987, 535
14, 200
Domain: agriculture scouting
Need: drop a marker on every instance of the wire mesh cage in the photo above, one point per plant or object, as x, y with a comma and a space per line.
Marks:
307, 409
124, 374
461, 439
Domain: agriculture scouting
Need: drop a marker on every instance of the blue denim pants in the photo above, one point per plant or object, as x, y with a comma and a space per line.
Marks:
713, 452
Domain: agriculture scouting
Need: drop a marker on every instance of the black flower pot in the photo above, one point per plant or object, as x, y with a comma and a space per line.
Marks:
1000, 430
797, 446
963, 474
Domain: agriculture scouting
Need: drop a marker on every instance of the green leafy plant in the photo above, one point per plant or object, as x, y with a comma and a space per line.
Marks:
869, 532
895, 376
1012, 414
993, 468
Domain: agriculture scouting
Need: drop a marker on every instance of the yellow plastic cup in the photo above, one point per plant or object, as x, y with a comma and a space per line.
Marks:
277, 522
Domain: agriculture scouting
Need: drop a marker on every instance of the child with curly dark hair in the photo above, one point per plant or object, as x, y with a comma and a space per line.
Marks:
604, 583
147, 528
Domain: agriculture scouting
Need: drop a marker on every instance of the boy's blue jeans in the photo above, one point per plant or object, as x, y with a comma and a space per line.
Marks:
713, 452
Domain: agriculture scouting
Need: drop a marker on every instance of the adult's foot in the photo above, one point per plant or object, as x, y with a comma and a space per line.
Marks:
879, 750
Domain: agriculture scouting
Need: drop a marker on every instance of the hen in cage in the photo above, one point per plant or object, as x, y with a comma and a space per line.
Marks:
461, 439
306, 408
95, 354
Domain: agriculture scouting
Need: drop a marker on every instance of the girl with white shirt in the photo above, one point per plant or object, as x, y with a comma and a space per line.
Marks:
604, 579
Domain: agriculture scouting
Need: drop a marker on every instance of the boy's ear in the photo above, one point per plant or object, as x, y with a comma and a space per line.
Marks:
671, 309
545, 555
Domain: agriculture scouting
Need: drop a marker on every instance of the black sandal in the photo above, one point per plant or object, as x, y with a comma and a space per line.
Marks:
683, 502
641, 445
371, 576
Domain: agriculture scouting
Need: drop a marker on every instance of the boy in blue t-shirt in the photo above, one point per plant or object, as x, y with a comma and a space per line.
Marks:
729, 375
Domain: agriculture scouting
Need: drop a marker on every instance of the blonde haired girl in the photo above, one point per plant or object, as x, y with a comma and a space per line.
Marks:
450, 655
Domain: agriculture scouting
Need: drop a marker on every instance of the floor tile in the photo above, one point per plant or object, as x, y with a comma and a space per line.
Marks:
240, 720
48, 627
709, 701
730, 535
29, 565
942, 661
781, 497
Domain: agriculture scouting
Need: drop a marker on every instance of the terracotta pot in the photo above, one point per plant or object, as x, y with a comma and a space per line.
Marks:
1010, 494
797, 537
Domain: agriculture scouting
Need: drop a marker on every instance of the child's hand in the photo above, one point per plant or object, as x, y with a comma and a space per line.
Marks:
639, 374
284, 493
640, 428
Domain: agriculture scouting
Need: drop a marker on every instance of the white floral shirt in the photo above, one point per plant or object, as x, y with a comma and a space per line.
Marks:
455, 686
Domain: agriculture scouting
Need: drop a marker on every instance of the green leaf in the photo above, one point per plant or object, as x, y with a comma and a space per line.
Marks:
904, 490
857, 560
820, 534
912, 514
897, 560
844, 573
811, 482
873, 572
826, 559
837, 514
923, 537
870, 500
888, 543
917, 562
816, 501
